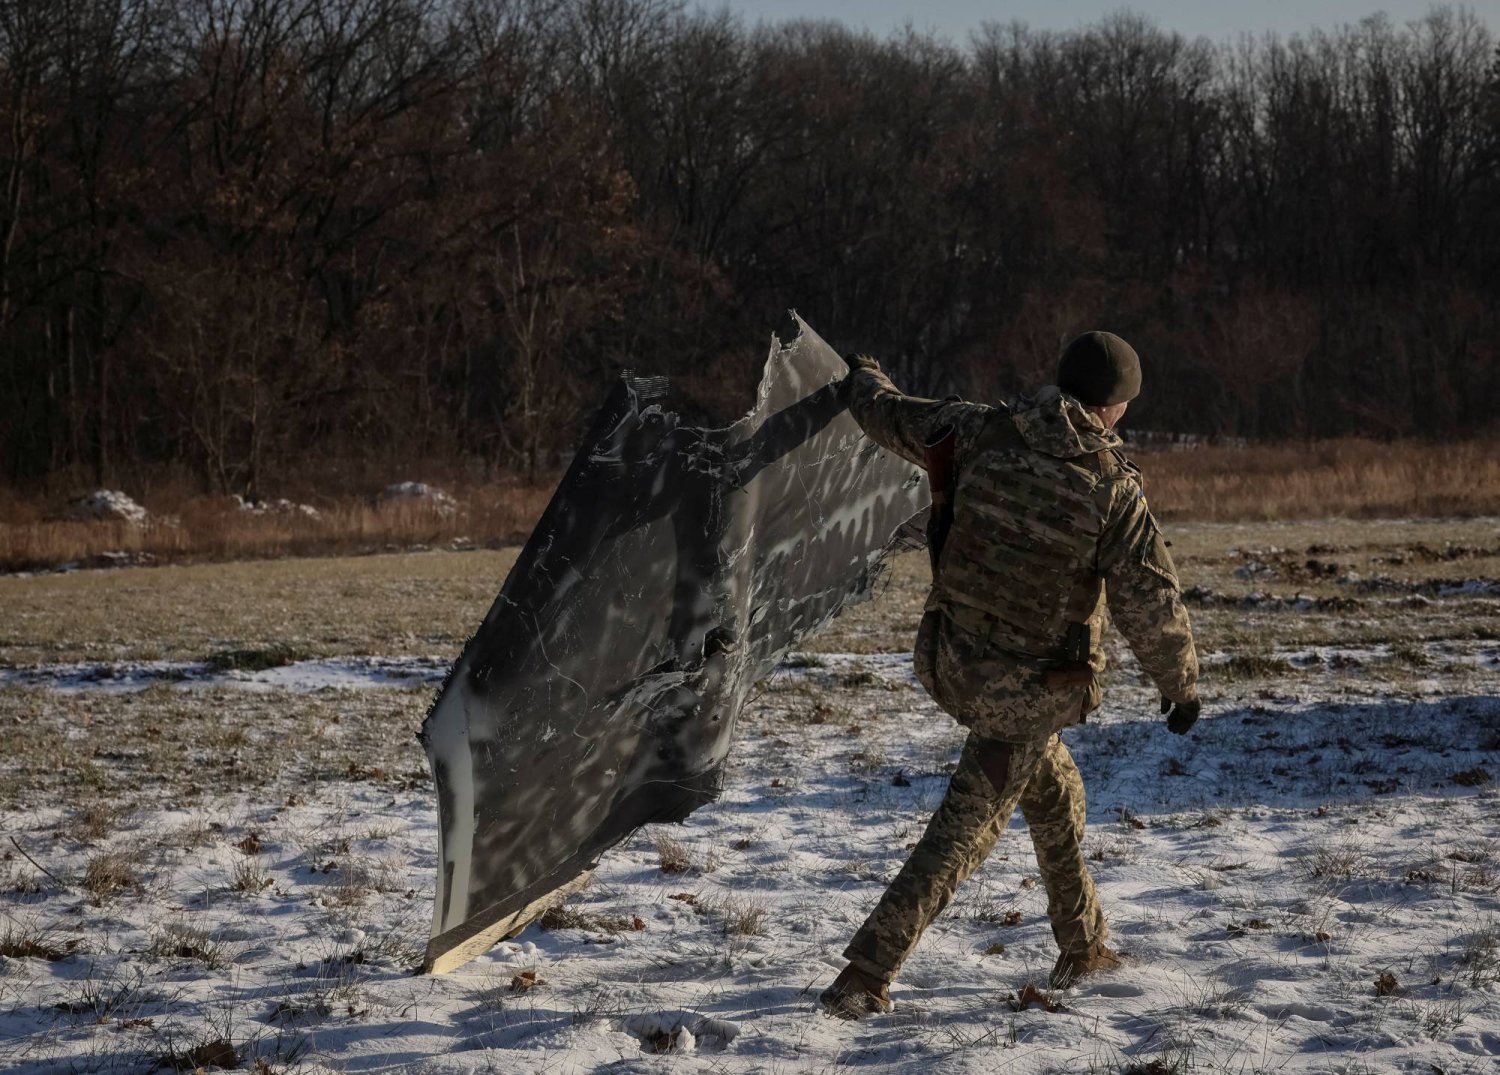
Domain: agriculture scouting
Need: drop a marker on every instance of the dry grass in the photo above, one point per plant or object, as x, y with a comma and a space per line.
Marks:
1322, 479
110, 874
31, 940
178, 940
253, 612
564, 917
1481, 957
68, 745
248, 877
213, 528
1342, 860
741, 916
96, 819
673, 855
262, 613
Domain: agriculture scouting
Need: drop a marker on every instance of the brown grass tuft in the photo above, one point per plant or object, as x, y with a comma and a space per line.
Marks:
95, 820
178, 940
673, 855
249, 877
744, 917
109, 875
31, 941
1338, 861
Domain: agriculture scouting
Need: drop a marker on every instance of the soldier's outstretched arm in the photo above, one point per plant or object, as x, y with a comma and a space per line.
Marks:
1144, 596
900, 423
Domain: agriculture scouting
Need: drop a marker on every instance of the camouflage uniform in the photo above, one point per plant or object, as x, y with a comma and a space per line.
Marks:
1048, 517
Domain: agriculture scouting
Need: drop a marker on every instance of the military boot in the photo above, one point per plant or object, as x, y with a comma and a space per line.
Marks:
855, 994
1071, 966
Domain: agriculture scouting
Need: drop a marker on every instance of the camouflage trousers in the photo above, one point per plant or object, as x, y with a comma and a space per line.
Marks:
992, 778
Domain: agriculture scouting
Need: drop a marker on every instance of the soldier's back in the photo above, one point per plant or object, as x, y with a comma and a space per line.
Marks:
1031, 500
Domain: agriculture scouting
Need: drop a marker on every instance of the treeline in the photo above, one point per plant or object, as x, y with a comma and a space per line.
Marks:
255, 237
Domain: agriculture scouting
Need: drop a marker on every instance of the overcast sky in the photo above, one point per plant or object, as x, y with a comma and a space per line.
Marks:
1216, 19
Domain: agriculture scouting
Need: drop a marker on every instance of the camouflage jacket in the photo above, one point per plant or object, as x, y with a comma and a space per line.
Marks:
1050, 526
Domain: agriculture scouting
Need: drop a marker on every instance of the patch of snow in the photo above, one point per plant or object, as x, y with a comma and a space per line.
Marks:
1253, 569
298, 677
1268, 552
1446, 654
281, 506
107, 505
420, 493
1470, 588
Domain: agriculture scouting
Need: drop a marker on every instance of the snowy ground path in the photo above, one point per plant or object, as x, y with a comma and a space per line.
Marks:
1266, 873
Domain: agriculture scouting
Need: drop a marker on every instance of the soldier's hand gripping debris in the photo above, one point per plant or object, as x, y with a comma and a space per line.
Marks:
1183, 715
856, 362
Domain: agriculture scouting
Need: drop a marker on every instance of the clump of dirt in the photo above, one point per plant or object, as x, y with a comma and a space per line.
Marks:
1032, 997
1274, 563
1249, 666
526, 981
256, 658
1429, 588
212, 1054
1205, 597
1422, 553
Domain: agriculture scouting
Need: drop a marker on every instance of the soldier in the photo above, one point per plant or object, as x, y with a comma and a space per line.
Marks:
1044, 517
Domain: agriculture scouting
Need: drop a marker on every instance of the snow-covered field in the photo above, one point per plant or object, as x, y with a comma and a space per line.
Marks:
1309, 882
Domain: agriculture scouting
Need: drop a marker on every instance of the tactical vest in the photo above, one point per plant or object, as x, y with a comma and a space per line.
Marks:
1023, 546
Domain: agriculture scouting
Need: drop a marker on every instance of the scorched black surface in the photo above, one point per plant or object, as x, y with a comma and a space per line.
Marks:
673, 568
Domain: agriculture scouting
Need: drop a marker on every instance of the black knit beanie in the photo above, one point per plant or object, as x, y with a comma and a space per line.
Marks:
1099, 370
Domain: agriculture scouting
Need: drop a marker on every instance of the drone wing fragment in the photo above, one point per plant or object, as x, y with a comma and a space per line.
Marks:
673, 568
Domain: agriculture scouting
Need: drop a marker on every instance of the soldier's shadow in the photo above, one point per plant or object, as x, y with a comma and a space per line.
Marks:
1289, 753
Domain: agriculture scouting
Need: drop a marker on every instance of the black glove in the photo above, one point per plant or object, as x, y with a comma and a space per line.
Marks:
858, 361
1183, 714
